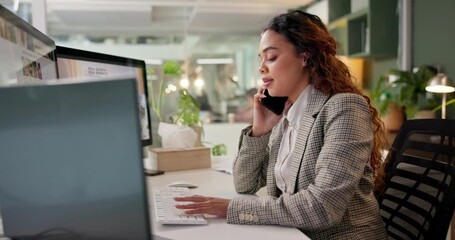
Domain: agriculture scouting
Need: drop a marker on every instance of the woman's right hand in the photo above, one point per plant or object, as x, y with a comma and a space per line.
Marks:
264, 119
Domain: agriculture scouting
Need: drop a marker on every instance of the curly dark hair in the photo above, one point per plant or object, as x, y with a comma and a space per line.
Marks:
327, 73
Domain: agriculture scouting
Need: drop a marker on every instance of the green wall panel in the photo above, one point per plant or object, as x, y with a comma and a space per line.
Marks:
433, 38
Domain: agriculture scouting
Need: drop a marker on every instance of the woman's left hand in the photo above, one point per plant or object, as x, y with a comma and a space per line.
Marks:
203, 205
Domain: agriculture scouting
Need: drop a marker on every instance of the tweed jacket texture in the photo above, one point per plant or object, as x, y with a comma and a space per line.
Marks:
331, 176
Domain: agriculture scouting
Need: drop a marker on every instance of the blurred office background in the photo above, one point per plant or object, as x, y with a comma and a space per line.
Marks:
216, 41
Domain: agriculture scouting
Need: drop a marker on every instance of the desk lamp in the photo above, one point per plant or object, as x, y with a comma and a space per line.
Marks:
440, 84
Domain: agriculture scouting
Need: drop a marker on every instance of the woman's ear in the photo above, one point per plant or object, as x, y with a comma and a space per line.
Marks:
305, 57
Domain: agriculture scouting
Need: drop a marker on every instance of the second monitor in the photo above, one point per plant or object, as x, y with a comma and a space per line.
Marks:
75, 63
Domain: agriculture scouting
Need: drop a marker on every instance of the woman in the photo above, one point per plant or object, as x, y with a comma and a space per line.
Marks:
320, 157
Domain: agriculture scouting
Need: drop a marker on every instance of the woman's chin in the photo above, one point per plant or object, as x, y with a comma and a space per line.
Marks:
273, 93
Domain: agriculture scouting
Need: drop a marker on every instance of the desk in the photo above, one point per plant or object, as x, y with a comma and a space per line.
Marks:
216, 184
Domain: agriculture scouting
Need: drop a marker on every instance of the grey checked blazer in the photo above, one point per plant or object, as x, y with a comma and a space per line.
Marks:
331, 176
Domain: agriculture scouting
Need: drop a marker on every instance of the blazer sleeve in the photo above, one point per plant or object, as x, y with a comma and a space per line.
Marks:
340, 164
250, 165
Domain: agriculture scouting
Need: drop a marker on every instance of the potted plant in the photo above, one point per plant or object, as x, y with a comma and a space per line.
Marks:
406, 90
383, 97
183, 126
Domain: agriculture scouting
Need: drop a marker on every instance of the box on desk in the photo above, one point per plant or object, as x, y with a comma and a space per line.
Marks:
174, 159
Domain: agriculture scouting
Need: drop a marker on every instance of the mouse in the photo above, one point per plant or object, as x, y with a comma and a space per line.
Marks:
182, 184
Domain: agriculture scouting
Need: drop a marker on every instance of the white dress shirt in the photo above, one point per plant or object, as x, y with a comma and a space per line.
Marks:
290, 129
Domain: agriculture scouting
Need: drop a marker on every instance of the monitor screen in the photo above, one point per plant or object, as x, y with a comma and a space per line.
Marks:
75, 63
26, 54
71, 161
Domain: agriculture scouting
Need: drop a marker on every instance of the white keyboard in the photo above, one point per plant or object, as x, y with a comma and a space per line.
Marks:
165, 210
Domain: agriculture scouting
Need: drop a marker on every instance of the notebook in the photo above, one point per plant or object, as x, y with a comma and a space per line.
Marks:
71, 161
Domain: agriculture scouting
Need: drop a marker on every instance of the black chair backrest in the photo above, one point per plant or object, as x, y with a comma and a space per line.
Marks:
419, 199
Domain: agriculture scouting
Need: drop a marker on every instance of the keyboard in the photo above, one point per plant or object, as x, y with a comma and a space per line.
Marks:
165, 211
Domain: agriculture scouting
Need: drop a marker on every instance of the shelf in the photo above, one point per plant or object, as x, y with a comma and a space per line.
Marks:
371, 32
338, 9
338, 30
358, 35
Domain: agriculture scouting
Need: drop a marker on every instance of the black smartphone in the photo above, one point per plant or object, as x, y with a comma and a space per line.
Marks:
152, 172
274, 104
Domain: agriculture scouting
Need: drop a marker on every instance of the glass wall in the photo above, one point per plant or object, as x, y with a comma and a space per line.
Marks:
219, 86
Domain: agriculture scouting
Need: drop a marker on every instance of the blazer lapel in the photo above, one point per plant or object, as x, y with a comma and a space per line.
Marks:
316, 102
275, 146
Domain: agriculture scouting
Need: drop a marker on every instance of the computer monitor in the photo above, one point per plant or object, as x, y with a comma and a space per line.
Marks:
75, 63
71, 161
26, 54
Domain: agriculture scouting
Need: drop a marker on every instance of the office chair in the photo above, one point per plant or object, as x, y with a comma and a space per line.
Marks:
419, 198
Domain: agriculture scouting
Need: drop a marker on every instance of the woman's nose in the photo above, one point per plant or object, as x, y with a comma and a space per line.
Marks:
262, 69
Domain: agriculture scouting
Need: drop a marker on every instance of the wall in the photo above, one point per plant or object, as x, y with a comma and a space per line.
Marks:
375, 68
434, 37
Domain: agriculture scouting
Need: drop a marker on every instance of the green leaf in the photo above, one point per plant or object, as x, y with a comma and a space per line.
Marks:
219, 150
172, 68
447, 104
189, 107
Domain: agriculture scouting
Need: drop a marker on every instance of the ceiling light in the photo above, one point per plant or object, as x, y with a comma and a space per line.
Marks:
214, 61
154, 61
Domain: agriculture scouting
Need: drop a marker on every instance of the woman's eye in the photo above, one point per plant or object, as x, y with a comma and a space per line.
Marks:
271, 59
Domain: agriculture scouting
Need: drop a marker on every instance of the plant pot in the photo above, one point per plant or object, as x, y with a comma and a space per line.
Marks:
394, 118
176, 136
425, 114
198, 131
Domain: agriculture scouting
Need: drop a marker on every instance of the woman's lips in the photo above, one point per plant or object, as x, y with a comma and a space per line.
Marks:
266, 81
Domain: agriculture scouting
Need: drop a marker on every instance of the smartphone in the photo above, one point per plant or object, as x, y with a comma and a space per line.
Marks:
274, 104
152, 172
